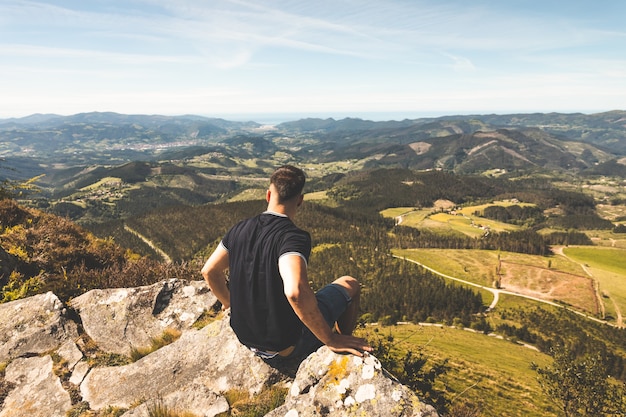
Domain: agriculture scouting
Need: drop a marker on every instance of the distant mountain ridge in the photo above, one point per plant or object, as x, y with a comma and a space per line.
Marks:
553, 142
53, 120
606, 130
106, 137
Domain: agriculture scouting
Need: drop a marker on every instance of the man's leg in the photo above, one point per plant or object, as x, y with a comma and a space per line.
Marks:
346, 323
340, 296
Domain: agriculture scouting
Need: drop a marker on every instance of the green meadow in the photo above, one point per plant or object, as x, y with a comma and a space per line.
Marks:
484, 370
462, 221
608, 268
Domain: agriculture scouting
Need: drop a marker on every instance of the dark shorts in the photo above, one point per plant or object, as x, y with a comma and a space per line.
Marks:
332, 301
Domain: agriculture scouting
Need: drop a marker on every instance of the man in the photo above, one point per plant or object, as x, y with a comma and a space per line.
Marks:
274, 311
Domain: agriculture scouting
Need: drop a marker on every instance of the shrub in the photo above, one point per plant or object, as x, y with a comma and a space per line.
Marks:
410, 369
18, 287
580, 386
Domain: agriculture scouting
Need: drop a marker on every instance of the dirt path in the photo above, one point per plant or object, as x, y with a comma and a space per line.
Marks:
494, 291
559, 250
496, 294
148, 242
618, 312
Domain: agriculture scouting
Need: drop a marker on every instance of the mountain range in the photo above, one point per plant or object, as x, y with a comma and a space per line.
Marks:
64, 148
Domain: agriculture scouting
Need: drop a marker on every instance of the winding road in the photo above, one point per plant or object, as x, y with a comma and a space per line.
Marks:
496, 294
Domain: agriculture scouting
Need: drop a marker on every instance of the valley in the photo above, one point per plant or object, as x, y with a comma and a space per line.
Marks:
511, 226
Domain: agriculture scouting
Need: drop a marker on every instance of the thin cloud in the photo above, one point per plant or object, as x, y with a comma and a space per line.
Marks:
289, 55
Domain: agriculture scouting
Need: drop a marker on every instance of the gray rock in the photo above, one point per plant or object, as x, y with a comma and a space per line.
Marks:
119, 320
189, 375
80, 371
196, 399
38, 391
346, 385
211, 357
70, 352
33, 325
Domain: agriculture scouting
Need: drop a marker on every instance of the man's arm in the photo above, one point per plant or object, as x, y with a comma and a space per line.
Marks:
214, 273
302, 299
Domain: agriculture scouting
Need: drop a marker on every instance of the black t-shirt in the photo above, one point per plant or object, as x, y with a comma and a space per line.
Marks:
261, 315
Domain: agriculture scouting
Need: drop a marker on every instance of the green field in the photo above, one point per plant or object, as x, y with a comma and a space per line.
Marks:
484, 370
554, 279
470, 210
453, 222
608, 267
104, 182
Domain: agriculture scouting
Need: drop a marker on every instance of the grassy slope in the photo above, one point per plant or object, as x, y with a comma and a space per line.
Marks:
554, 278
484, 370
464, 222
608, 267
495, 372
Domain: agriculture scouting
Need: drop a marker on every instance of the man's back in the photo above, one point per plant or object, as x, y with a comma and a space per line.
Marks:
261, 315
274, 310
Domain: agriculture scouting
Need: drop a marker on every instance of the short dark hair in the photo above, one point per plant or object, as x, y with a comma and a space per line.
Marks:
289, 182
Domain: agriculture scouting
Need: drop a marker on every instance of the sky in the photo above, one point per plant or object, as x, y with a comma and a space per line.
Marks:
278, 59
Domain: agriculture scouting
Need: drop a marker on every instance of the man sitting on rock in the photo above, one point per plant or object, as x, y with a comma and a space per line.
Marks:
274, 311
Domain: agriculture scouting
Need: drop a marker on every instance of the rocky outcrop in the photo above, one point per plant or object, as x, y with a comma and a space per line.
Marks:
211, 357
121, 319
346, 385
49, 371
33, 326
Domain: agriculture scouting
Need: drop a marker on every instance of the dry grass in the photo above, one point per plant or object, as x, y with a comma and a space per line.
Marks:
169, 336
159, 409
548, 284
243, 405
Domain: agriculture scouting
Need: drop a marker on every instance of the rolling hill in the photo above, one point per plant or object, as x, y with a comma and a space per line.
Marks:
178, 183
561, 142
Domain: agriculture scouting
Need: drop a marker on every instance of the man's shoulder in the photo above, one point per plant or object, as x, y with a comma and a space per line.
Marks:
246, 221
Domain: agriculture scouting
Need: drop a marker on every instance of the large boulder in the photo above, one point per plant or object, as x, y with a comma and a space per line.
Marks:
38, 391
48, 374
196, 399
212, 358
34, 325
121, 319
346, 385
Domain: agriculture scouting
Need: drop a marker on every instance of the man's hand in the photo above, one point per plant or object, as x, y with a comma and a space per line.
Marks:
348, 344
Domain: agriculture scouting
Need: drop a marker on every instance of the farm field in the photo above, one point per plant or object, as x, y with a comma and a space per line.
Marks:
407, 216
552, 279
607, 238
451, 222
608, 268
470, 210
483, 370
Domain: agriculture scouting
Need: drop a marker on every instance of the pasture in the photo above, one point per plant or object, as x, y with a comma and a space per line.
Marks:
607, 265
484, 370
461, 221
547, 278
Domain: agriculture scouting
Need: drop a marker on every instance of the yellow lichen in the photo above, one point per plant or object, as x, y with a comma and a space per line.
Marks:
337, 370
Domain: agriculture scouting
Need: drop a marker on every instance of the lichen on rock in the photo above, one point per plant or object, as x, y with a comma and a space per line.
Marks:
343, 385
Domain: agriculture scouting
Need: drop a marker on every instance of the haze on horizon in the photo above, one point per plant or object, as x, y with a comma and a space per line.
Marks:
372, 59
